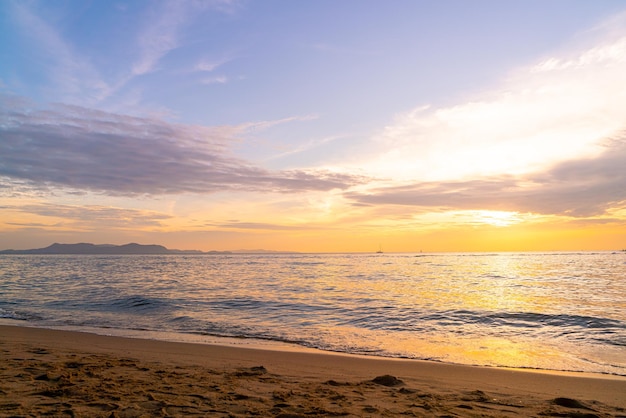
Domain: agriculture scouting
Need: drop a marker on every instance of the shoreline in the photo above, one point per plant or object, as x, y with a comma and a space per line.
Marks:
275, 345
46, 370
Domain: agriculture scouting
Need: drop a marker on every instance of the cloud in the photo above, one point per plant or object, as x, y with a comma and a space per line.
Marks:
209, 66
160, 35
341, 50
31, 224
83, 149
73, 76
580, 187
550, 139
556, 109
161, 31
592, 222
215, 80
307, 146
257, 226
92, 217
257, 126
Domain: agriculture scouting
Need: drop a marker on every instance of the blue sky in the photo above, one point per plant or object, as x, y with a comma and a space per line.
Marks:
359, 110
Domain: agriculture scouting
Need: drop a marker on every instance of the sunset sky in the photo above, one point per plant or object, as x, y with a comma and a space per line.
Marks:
315, 126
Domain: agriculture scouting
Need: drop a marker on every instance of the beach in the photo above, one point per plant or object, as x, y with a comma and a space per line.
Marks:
65, 373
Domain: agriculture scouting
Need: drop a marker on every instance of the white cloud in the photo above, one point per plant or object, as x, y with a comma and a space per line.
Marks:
559, 109
215, 80
209, 66
611, 54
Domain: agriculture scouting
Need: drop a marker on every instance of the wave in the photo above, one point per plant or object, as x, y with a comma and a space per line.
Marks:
138, 303
524, 319
604, 330
18, 315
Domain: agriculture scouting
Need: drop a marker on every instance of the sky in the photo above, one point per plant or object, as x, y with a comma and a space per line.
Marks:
314, 126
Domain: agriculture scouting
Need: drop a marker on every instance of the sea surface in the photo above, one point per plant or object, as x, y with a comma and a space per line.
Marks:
554, 311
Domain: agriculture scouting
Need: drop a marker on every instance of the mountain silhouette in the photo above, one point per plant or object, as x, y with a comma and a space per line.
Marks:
104, 249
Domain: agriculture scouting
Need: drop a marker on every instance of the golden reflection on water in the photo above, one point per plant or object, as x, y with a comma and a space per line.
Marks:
496, 283
489, 283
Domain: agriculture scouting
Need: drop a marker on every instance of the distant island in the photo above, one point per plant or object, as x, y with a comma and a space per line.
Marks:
107, 249
126, 249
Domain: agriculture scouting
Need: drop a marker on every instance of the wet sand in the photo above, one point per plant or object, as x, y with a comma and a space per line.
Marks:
61, 373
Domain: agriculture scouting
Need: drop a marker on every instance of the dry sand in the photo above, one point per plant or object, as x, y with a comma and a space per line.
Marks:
59, 373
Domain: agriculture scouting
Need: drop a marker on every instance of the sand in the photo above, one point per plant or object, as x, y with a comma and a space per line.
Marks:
58, 373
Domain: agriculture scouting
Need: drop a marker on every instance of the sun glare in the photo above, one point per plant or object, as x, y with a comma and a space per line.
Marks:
497, 218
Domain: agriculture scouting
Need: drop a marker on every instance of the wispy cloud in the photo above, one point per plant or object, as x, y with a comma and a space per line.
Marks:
601, 55
93, 217
257, 126
215, 80
209, 66
74, 78
341, 50
257, 226
307, 146
84, 149
160, 34
32, 224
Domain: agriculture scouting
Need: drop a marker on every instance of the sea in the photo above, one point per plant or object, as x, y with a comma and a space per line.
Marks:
561, 311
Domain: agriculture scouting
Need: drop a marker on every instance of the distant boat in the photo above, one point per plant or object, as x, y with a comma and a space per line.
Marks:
380, 250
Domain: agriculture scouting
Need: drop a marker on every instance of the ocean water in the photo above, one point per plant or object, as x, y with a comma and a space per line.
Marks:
554, 311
